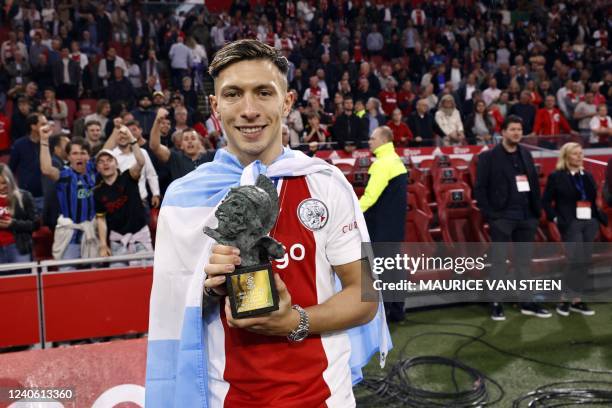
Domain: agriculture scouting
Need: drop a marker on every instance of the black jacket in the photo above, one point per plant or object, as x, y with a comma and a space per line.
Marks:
561, 195
349, 128
387, 217
425, 127
495, 180
24, 223
74, 72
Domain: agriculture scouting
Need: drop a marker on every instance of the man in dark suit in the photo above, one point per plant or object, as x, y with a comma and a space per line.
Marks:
508, 195
349, 131
120, 89
422, 125
139, 27
526, 111
66, 76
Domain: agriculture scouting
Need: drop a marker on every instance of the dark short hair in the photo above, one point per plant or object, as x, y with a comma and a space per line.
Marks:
78, 141
92, 122
510, 119
54, 141
133, 123
33, 119
245, 50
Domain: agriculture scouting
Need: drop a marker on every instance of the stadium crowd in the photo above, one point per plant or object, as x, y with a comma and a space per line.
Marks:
89, 87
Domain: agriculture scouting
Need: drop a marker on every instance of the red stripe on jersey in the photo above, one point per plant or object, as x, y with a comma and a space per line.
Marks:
268, 371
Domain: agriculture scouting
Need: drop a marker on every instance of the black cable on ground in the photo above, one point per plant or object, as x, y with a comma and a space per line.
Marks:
567, 394
397, 389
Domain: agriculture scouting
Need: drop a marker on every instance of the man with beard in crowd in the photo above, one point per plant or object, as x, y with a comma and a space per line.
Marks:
144, 113
191, 155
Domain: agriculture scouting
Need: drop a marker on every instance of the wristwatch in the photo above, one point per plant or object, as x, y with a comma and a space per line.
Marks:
301, 332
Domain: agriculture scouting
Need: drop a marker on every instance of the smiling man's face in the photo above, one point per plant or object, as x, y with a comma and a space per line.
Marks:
251, 99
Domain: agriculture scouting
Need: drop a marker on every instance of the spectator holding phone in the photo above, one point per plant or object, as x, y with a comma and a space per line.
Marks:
17, 219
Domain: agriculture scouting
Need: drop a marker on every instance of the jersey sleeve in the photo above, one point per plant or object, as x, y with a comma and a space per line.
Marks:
65, 176
344, 239
99, 206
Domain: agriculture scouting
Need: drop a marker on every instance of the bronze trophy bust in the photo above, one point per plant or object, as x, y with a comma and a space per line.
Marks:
245, 217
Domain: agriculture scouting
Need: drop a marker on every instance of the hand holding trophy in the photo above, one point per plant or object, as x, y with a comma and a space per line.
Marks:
245, 217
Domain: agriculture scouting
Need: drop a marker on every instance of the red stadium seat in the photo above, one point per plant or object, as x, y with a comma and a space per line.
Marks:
153, 223
419, 192
606, 231
416, 175
447, 179
72, 108
8, 108
425, 164
92, 103
542, 177
445, 175
363, 163
417, 223
345, 168
358, 179
444, 160
417, 229
460, 219
472, 169
42, 244
548, 230
442, 164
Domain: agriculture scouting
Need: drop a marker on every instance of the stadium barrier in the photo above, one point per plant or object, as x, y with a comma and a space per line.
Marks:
53, 306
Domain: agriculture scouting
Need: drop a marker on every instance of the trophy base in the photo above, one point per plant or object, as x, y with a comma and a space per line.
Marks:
252, 291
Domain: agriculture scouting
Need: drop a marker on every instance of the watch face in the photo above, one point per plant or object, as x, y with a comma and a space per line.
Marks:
300, 334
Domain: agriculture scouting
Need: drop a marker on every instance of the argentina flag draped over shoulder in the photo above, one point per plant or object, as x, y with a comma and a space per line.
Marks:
177, 372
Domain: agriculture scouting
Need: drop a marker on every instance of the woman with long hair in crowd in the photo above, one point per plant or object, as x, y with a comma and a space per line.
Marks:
570, 201
480, 126
17, 220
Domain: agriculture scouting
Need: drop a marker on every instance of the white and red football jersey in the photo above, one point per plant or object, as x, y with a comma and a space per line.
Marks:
317, 226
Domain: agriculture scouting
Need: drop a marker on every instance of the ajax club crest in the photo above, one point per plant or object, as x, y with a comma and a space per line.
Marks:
313, 214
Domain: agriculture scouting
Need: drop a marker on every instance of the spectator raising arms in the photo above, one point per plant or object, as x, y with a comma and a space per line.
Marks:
74, 235
120, 215
191, 155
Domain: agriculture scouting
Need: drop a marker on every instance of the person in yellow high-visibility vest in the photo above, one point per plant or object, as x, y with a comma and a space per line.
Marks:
384, 200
